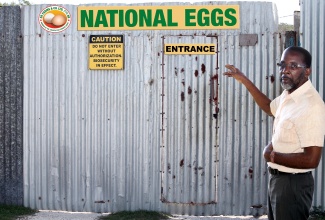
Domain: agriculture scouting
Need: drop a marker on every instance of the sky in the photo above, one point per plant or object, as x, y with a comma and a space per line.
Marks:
285, 8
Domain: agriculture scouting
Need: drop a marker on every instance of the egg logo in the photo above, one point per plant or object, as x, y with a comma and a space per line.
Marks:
54, 18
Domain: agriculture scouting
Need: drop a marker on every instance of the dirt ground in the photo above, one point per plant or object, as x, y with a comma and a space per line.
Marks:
61, 215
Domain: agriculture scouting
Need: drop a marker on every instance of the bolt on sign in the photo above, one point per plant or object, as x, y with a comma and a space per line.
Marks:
106, 52
158, 17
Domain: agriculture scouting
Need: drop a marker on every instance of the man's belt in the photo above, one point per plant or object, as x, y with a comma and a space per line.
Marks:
277, 172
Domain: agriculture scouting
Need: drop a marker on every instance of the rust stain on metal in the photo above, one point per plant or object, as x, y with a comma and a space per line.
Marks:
176, 71
214, 92
250, 171
163, 199
168, 166
272, 79
203, 68
258, 206
182, 96
196, 58
182, 70
181, 163
196, 73
101, 201
151, 81
196, 169
158, 54
189, 90
214, 77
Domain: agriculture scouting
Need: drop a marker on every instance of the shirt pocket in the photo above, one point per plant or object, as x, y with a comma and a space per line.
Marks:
287, 132
288, 125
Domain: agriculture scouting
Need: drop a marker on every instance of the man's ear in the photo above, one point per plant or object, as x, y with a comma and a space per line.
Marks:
308, 71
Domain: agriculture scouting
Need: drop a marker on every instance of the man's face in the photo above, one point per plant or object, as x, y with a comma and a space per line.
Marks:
293, 71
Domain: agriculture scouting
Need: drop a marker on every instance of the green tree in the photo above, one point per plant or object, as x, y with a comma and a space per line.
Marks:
283, 27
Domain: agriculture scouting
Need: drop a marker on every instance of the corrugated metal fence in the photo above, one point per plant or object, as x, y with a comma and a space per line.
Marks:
145, 137
168, 133
11, 107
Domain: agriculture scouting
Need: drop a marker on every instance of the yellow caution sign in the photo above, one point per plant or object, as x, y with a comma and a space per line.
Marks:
106, 52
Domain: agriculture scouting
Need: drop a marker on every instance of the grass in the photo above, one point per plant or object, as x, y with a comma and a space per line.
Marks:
137, 215
10, 212
317, 213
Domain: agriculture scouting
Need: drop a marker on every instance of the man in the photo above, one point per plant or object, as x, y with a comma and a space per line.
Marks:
298, 135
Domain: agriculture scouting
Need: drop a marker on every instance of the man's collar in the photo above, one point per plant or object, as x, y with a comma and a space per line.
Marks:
295, 95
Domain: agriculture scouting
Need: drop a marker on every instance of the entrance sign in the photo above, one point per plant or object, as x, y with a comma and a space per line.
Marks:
106, 52
158, 17
190, 49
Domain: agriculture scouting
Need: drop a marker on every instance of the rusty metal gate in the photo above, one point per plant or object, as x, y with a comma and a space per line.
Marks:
189, 148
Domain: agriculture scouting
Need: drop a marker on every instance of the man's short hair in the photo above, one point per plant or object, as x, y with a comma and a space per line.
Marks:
305, 54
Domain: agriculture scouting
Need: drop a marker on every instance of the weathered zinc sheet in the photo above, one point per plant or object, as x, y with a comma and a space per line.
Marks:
11, 107
312, 35
166, 133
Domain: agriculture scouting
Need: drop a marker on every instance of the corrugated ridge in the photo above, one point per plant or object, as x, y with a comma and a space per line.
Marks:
11, 99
